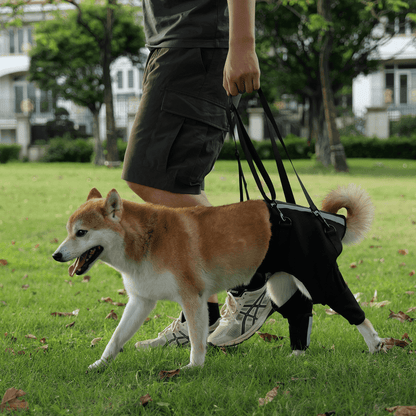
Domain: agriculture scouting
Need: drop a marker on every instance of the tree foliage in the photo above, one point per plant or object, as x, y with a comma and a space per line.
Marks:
291, 35
66, 58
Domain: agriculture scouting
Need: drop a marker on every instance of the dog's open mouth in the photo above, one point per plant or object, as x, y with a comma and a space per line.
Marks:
83, 262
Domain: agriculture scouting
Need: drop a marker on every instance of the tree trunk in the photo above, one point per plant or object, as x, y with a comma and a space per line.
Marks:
337, 153
112, 152
99, 157
318, 131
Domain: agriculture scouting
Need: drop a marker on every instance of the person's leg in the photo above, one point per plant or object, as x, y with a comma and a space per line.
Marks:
245, 310
169, 199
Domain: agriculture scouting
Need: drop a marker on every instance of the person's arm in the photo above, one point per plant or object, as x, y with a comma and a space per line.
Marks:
241, 70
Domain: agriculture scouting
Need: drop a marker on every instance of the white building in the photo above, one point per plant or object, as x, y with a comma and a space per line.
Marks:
390, 92
25, 110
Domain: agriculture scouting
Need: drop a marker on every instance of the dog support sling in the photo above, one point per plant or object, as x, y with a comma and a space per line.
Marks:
305, 241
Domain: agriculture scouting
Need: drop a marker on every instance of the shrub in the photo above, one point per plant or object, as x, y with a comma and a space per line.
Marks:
392, 148
406, 126
297, 148
121, 146
64, 150
355, 147
9, 152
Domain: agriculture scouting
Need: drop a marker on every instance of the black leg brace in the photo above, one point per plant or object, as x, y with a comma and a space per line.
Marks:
298, 311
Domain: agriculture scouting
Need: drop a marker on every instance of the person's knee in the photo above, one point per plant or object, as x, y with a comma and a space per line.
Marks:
144, 192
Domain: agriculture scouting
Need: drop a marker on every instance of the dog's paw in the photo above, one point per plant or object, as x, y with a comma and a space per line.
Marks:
98, 365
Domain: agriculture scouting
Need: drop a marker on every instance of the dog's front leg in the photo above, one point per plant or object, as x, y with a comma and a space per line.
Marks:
370, 336
137, 309
196, 313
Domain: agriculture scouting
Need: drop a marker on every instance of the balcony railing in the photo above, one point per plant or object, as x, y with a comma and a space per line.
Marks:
39, 108
398, 101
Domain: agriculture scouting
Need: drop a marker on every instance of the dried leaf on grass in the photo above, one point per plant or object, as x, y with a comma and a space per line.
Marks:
73, 313
70, 325
403, 252
144, 400
411, 309
269, 396
109, 300
389, 343
86, 279
268, 337
403, 410
112, 315
122, 292
330, 312
373, 302
10, 400
168, 374
401, 316
95, 341
3, 262
30, 336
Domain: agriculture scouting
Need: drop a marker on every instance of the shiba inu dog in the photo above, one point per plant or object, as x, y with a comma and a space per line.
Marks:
188, 254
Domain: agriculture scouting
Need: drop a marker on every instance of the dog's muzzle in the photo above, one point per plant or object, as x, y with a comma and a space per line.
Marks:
83, 262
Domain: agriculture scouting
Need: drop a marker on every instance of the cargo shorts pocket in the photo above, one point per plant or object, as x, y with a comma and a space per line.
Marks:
197, 129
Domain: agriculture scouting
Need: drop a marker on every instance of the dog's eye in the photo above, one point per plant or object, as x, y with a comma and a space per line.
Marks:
81, 233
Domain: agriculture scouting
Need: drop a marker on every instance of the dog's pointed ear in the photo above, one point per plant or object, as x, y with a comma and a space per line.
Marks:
114, 206
94, 193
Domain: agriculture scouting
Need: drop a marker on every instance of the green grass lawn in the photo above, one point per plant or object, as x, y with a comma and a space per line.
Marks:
334, 375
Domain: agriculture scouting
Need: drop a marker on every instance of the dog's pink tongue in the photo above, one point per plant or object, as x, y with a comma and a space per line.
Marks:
79, 262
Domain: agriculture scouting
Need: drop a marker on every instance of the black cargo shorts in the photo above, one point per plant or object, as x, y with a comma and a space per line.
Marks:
181, 121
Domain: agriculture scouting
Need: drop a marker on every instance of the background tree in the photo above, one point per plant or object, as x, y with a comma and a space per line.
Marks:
113, 30
299, 46
69, 67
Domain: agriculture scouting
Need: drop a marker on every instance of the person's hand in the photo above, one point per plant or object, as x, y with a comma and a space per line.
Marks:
241, 70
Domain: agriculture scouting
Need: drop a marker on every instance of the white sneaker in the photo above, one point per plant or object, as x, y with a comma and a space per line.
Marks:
174, 334
241, 317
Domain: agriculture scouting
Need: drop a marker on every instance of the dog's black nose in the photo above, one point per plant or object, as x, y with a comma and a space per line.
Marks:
57, 256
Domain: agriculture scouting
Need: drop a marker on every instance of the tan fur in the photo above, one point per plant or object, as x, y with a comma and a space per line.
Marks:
185, 255
360, 211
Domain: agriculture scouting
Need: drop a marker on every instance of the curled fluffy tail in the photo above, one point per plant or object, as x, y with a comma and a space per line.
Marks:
360, 210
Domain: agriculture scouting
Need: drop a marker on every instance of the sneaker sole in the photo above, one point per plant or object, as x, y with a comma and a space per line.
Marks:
246, 335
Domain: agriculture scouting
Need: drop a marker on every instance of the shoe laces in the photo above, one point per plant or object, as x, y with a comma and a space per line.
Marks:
173, 327
229, 309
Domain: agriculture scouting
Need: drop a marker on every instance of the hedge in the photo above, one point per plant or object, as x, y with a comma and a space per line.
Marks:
355, 147
297, 147
80, 150
9, 152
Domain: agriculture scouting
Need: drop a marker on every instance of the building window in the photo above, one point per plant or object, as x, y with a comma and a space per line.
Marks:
403, 88
130, 78
389, 92
28, 98
120, 80
11, 41
20, 40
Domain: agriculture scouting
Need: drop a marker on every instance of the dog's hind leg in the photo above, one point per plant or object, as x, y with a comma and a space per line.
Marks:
137, 309
370, 336
294, 303
281, 287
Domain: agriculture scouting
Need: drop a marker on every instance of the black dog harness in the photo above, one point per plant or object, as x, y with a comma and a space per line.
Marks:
304, 249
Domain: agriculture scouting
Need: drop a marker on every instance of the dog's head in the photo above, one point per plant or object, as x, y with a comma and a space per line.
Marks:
88, 231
